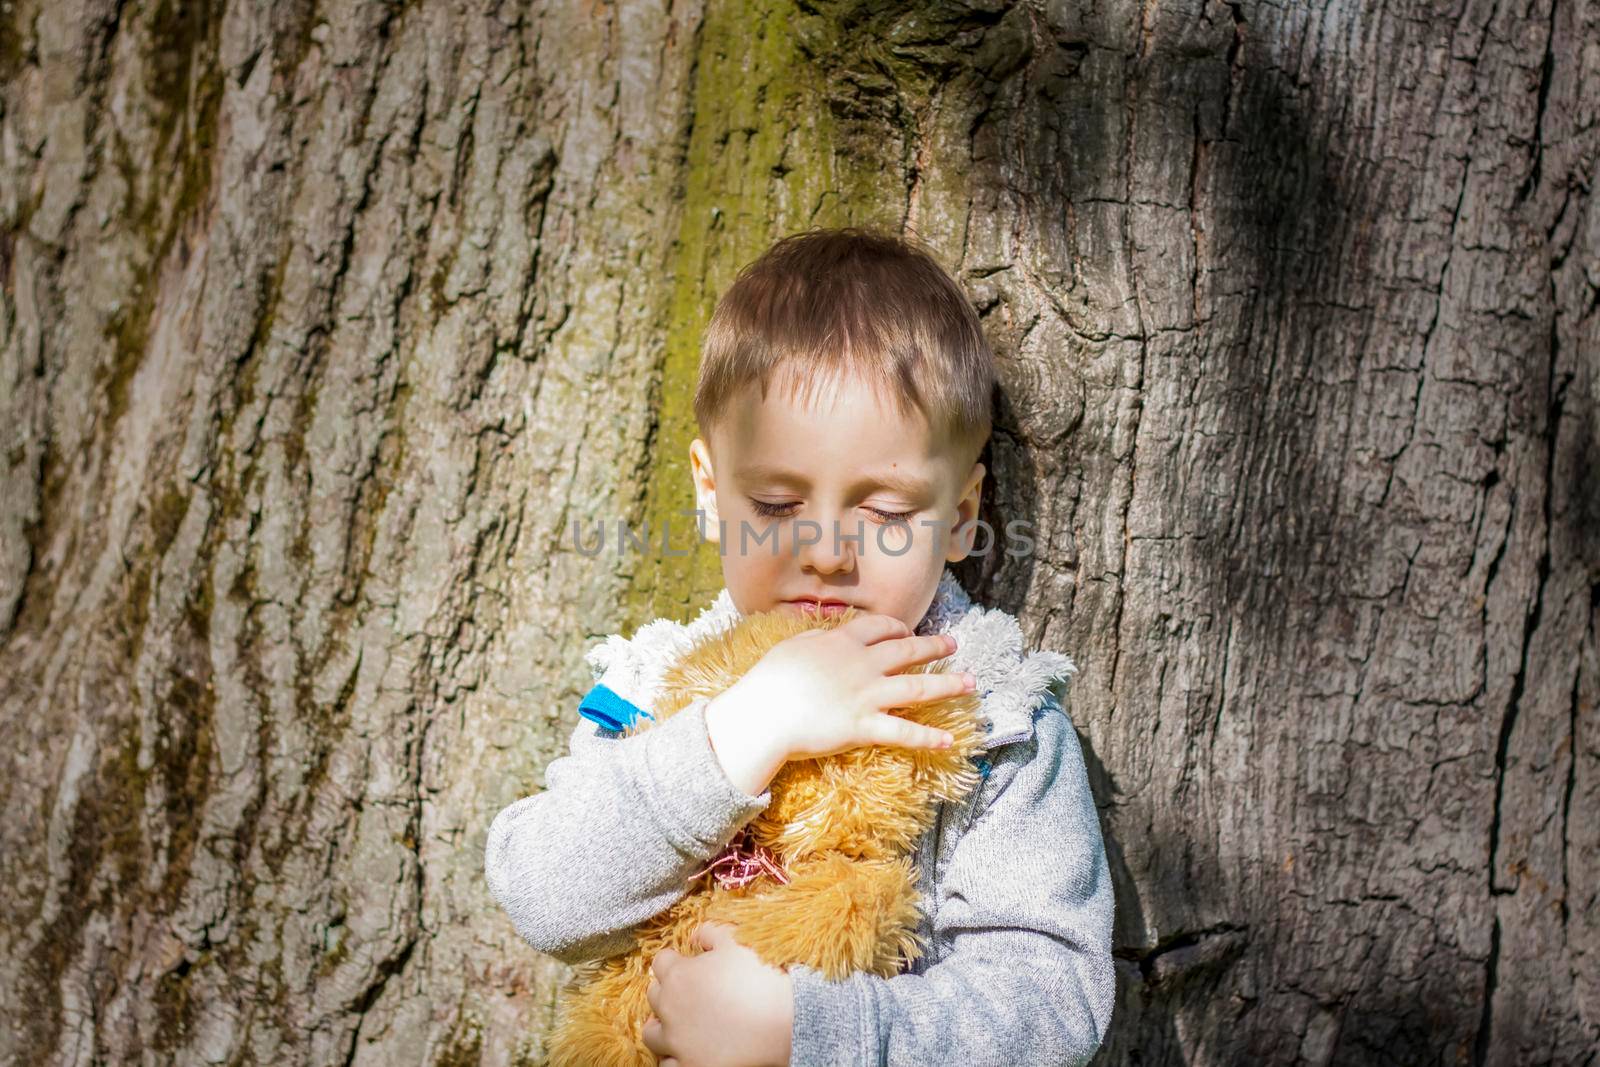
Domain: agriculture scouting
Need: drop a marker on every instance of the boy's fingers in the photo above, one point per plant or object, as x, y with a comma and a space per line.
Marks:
650, 1034
897, 690
893, 730
905, 652
870, 629
708, 935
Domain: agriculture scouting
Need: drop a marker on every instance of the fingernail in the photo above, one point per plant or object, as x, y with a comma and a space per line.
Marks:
970, 679
949, 739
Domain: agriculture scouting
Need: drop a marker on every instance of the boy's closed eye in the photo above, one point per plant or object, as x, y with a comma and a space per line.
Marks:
771, 510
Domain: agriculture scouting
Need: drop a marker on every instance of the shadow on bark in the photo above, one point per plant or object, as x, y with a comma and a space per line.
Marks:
1193, 944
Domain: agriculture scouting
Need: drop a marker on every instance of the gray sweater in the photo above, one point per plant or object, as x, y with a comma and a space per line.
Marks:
1016, 894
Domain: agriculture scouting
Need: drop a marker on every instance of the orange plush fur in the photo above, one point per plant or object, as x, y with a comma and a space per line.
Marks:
843, 827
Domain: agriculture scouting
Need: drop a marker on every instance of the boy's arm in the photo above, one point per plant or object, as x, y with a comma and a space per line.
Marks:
621, 825
1026, 903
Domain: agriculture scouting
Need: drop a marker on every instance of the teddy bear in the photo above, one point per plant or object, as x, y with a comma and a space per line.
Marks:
822, 876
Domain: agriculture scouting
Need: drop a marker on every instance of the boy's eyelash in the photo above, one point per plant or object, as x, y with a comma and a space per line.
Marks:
776, 510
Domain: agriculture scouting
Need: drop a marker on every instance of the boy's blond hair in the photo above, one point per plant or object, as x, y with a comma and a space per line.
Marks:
852, 301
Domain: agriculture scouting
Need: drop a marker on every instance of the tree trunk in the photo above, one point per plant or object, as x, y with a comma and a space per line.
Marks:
320, 327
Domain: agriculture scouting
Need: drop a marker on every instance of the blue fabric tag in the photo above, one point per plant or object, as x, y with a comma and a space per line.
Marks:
601, 705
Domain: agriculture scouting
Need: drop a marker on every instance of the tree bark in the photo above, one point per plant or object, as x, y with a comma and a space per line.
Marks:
321, 326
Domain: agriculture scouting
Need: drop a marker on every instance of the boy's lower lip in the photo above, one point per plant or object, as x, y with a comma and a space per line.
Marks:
812, 607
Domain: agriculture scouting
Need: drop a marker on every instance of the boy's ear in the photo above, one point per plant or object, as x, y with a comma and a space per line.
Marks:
966, 511
705, 489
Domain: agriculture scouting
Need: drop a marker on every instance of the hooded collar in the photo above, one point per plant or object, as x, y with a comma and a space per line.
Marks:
1012, 681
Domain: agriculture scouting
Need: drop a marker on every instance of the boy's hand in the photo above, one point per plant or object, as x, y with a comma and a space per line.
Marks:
722, 1008
825, 691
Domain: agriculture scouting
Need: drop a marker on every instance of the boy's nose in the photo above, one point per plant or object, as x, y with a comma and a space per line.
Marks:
824, 552
828, 563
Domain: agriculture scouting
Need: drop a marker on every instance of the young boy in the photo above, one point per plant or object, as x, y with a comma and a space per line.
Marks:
843, 401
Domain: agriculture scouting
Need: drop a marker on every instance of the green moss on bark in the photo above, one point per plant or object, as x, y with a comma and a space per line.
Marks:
16, 38
769, 154
184, 96
464, 1046
166, 515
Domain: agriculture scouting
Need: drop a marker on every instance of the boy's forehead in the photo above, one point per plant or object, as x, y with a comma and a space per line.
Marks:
837, 400
848, 431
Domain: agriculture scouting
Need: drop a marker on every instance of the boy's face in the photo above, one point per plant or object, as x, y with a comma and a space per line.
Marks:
803, 500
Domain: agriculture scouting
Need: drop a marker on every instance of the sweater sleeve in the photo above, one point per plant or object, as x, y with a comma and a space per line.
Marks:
622, 823
1025, 905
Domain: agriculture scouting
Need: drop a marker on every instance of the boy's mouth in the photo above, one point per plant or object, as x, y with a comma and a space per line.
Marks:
813, 606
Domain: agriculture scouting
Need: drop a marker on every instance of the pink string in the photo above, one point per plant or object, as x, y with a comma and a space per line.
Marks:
742, 862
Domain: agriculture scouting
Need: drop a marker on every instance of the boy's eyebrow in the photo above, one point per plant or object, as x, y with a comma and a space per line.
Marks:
904, 483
